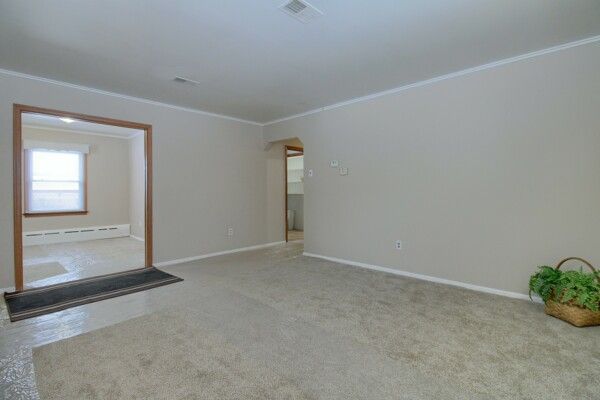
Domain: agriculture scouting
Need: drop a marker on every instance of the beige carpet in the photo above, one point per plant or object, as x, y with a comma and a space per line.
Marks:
159, 356
169, 356
301, 328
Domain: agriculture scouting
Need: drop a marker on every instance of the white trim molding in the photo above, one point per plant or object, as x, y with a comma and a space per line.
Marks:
124, 96
219, 253
141, 239
451, 75
8, 289
466, 71
428, 278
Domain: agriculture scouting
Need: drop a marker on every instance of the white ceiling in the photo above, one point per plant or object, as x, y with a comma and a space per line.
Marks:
254, 62
77, 126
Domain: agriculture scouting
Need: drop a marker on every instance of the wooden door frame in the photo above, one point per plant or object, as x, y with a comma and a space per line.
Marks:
18, 111
285, 157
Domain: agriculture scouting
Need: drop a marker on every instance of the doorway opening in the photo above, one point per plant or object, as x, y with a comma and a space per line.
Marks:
82, 196
294, 193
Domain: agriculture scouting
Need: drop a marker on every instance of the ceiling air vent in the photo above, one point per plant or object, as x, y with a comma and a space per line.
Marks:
188, 81
301, 10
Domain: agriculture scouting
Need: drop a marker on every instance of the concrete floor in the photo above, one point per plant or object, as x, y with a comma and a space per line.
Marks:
312, 328
61, 262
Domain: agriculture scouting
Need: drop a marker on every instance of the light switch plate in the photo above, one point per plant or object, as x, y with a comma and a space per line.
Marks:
334, 163
343, 170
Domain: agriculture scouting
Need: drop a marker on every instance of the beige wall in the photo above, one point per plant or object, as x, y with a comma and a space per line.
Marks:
137, 185
209, 172
483, 177
108, 181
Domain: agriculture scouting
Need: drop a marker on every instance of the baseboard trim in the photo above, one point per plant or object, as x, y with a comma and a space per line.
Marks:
219, 253
136, 238
78, 234
8, 289
429, 278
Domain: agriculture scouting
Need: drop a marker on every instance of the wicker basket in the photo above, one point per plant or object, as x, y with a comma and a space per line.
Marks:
572, 313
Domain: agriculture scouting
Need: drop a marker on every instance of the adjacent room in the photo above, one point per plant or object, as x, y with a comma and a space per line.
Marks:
83, 191
294, 193
300, 199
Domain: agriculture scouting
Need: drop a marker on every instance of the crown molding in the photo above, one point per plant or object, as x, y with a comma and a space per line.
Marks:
440, 78
371, 96
125, 97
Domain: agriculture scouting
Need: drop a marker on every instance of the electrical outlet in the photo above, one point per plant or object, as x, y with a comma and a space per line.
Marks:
229, 231
398, 244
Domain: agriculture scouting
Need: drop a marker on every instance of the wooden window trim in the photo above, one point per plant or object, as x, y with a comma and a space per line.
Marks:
29, 214
18, 110
54, 214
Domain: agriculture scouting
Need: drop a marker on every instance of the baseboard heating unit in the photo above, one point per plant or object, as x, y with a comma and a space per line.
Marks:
75, 234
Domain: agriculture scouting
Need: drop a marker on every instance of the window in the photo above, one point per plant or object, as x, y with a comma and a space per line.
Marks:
55, 182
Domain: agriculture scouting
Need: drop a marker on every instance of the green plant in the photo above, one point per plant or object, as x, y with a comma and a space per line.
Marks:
572, 287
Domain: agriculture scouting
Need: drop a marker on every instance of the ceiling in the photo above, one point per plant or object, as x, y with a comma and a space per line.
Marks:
254, 62
77, 126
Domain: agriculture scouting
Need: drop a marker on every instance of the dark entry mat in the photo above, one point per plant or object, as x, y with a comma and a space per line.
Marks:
48, 299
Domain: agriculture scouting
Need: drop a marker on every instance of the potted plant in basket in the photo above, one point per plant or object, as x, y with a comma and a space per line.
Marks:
573, 296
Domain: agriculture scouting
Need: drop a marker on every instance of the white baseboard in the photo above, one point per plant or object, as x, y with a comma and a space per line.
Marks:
78, 234
429, 278
8, 289
220, 253
136, 238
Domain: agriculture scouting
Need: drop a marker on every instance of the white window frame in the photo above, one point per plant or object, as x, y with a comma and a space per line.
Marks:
28, 181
